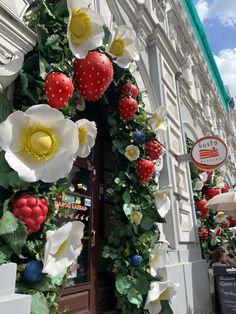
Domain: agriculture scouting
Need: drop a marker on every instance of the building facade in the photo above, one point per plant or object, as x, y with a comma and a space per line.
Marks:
173, 72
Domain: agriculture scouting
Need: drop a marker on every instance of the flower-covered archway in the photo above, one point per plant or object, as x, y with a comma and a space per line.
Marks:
78, 62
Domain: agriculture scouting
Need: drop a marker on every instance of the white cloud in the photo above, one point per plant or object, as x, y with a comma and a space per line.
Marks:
226, 62
224, 10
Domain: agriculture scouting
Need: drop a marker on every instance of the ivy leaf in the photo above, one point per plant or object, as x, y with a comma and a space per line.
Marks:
135, 297
126, 197
8, 223
6, 108
147, 223
127, 208
6, 250
39, 304
17, 239
3, 258
142, 284
16, 182
53, 42
122, 284
44, 67
60, 8
165, 307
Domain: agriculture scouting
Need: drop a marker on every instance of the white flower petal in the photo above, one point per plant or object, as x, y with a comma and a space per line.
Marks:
203, 176
28, 172
198, 185
44, 114
76, 4
59, 236
68, 131
158, 258
90, 129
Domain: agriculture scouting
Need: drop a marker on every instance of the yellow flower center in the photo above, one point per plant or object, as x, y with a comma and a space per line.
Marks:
132, 152
83, 134
61, 249
80, 26
162, 296
117, 47
153, 259
135, 217
159, 121
39, 143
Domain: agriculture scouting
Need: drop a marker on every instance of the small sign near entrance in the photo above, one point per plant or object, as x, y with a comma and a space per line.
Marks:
208, 153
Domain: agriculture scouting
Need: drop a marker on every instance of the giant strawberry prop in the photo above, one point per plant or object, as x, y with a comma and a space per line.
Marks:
129, 89
59, 89
93, 75
203, 234
211, 192
154, 149
145, 169
31, 211
127, 108
200, 206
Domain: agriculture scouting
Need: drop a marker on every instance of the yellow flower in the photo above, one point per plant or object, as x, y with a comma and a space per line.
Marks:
157, 121
132, 152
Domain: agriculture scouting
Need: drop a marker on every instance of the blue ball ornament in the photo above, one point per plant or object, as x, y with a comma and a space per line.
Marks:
136, 260
198, 214
33, 271
139, 137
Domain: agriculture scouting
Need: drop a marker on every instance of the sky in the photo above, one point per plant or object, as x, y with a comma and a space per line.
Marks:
219, 20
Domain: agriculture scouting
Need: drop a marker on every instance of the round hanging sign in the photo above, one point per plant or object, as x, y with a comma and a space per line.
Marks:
208, 153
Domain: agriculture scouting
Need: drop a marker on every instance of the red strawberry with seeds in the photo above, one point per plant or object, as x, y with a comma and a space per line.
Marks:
145, 169
154, 149
31, 211
93, 75
203, 234
127, 108
200, 206
130, 89
59, 89
211, 192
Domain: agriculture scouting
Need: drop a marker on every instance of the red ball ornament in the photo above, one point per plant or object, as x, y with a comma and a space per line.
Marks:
129, 89
59, 89
31, 211
203, 234
93, 75
145, 169
154, 149
200, 206
225, 224
211, 192
127, 108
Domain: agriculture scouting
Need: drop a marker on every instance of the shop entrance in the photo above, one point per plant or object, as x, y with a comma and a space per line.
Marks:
90, 286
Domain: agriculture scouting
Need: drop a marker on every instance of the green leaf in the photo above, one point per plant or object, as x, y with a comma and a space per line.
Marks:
39, 304
17, 239
8, 223
165, 307
127, 208
6, 250
58, 280
60, 8
44, 67
3, 258
135, 297
126, 197
147, 223
142, 284
4, 165
53, 41
122, 284
4, 180
6, 108
16, 182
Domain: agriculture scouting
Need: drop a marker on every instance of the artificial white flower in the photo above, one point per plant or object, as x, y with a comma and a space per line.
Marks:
159, 291
158, 258
198, 185
87, 132
199, 223
162, 201
132, 152
219, 182
136, 217
220, 217
124, 46
203, 176
157, 121
63, 246
85, 28
39, 143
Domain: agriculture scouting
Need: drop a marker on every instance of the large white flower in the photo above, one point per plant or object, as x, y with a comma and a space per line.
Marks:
198, 185
87, 132
63, 246
157, 121
124, 46
132, 152
220, 217
162, 201
159, 291
158, 257
39, 143
85, 28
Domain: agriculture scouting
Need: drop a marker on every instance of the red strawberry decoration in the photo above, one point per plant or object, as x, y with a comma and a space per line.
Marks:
129, 89
145, 169
31, 211
59, 89
232, 221
93, 75
225, 188
203, 234
127, 108
154, 149
225, 224
200, 206
211, 192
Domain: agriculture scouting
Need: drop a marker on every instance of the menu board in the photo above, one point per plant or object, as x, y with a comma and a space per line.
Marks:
225, 289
